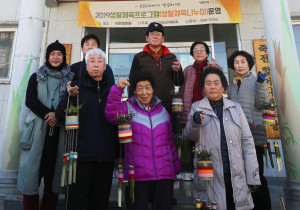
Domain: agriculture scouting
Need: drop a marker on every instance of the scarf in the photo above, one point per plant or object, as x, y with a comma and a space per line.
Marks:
216, 104
237, 80
64, 74
197, 91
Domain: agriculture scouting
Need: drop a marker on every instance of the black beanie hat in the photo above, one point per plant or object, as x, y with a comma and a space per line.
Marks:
56, 46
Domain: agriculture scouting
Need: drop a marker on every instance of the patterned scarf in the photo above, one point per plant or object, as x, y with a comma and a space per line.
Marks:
64, 74
197, 91
238, 79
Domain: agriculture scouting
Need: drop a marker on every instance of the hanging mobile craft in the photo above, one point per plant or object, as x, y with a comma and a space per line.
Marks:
124, 127
70, 157
204, 165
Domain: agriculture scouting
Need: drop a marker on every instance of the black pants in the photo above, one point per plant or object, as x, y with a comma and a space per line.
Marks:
159, 192
93, 184
261, 198
229, 192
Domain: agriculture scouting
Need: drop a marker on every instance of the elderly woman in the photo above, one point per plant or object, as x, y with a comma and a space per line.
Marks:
190, 88
95, 141
152, 151
40, 147
252, 93
220, 126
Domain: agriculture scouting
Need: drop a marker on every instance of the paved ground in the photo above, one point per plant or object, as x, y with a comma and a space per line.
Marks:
182, 194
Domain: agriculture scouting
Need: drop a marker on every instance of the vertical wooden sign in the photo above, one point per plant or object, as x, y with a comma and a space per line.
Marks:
262, 64
68, 52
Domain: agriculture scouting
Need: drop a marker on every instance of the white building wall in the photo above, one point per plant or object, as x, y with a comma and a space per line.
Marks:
252, 25
9, 11
63, 26
294, 6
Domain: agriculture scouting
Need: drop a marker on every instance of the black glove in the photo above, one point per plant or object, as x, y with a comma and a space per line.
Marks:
197, 118
261, 77
254, 188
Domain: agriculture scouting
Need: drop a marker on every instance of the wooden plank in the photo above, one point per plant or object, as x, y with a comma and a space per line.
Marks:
262, 64
68, 52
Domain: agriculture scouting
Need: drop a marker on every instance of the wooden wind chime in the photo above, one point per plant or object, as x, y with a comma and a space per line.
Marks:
68, 175
125, 136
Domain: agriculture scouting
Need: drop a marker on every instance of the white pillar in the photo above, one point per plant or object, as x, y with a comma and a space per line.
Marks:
27, 51
286, 77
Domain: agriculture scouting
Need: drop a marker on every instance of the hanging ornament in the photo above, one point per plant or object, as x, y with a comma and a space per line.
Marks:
265, 154
270, 154
131, 182
177, 102
124, 127
121, 174
63, 172
214, 205
198, 204
204, 205
70, 156
268, 115
278, 156
204, 165
74, 166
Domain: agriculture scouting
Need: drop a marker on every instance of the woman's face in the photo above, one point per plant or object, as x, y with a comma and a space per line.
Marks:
241, 65
213, 87
199, 53
144, 92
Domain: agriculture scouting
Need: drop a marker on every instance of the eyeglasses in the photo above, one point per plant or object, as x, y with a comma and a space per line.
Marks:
152, 33
199, 50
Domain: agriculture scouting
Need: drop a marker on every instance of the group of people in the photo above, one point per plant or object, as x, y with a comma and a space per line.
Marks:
224, 126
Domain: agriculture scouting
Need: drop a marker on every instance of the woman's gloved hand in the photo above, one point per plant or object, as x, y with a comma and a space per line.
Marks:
261, 77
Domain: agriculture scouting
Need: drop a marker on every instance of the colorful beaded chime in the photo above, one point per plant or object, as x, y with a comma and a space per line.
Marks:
68, 175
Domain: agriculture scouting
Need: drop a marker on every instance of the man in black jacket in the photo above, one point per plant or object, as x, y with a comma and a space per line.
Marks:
88, 42
164, 66
96, 145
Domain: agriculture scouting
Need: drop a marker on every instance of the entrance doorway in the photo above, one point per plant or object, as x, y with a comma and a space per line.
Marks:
121, 44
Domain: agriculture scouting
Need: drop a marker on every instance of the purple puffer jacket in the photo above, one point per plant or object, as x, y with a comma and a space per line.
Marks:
152, 152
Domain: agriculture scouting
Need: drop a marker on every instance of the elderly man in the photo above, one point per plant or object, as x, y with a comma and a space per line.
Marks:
96, 145
88, 42
164, 66
39, 142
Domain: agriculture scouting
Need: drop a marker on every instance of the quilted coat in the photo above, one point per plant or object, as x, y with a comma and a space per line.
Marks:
242, 154
152, 152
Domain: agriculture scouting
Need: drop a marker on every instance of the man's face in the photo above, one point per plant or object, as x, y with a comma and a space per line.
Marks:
96, 66
89, 44
56, 58
155, 38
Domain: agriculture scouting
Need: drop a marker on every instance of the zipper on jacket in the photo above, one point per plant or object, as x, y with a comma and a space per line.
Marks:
152, 145
98, 92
